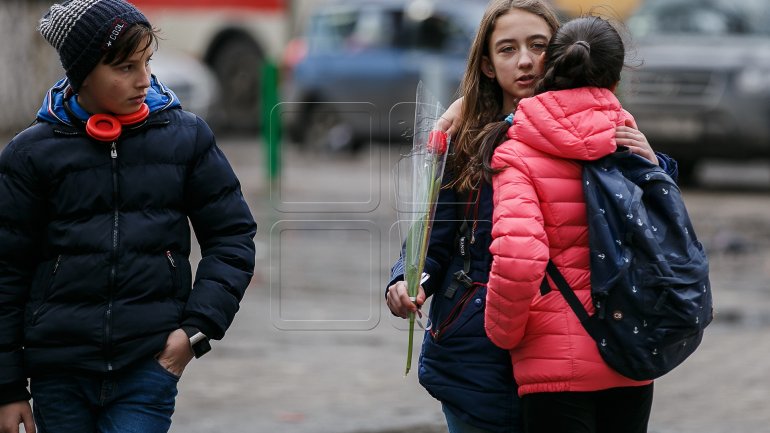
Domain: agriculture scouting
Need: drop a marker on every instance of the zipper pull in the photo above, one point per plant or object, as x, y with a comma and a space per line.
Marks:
170, 259
113, 150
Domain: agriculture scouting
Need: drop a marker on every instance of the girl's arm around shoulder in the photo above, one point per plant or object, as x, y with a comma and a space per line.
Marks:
629, 136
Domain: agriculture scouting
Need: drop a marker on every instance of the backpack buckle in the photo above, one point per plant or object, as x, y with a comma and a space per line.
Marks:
458, 278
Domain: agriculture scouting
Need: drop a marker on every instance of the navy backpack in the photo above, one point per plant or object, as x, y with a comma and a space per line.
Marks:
649, 274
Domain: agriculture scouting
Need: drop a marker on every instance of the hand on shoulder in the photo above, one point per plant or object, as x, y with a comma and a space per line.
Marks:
449, 122
632, 138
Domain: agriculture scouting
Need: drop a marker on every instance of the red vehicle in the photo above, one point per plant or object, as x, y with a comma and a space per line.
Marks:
233, 37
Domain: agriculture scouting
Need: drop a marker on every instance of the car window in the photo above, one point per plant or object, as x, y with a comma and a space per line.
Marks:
708, 17
436, 33
375, 29
353, 29
328, 31
422, 34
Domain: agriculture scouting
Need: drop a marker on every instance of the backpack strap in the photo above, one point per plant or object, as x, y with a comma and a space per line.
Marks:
463, 247
569, 296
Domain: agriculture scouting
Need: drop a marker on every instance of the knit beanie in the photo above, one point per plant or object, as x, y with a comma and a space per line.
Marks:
83, 31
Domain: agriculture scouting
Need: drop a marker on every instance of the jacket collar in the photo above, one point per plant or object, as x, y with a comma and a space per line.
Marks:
159, 98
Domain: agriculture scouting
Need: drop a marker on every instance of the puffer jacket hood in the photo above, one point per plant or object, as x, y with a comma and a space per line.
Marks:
540, 214
159, 98
576, 124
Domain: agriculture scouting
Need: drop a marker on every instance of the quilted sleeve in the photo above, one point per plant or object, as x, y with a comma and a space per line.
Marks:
668, 164
519, 249
21, 211
225, 230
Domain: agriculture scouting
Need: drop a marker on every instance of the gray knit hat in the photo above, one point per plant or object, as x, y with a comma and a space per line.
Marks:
83, 31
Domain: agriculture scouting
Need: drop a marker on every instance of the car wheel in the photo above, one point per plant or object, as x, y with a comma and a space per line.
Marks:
238, 64
327, 132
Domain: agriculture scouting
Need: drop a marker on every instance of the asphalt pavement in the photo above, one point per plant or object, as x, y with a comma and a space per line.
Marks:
314, 350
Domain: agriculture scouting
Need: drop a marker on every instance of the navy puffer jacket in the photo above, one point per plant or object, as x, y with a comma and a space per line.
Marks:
459, 365
94, 268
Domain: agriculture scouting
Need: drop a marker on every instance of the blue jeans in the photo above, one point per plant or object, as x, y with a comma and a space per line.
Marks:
456, 425
139, 400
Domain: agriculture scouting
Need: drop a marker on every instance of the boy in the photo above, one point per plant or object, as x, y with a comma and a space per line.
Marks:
97, 306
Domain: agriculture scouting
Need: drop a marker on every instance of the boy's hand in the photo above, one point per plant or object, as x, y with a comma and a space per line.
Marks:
13, 414
399, 303
177, 353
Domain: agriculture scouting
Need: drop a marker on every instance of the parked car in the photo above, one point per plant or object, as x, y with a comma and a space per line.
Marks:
234, 38
352, 77
192, 81
703, 89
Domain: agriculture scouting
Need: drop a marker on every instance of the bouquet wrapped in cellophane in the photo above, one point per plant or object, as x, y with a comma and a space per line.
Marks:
428, 157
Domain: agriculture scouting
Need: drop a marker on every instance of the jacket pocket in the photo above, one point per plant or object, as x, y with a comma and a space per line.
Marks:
174, 271
179, 269
42, 291
466, 315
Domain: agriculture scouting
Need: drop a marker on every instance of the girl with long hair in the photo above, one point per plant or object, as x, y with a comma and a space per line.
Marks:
459, 365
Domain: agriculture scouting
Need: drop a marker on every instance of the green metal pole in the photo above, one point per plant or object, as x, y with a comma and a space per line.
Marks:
271, 121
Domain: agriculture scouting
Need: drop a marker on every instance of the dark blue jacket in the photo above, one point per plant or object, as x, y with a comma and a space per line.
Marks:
94, 268
459, 365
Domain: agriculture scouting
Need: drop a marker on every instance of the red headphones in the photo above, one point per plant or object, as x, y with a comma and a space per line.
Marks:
107, 127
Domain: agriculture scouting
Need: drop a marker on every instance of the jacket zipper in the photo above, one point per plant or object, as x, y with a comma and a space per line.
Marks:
114, 261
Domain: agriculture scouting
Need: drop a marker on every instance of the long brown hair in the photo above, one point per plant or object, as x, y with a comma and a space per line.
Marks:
482, 96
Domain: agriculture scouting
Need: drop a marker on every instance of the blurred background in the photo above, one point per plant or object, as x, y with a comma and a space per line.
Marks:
345, 71
313, 103
216, 54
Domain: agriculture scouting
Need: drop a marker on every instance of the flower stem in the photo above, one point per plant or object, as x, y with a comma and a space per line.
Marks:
411, 343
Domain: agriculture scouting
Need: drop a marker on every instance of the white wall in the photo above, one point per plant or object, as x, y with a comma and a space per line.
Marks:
28, 65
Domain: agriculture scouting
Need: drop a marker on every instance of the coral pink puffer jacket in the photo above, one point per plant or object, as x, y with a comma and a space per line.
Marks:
539, 212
